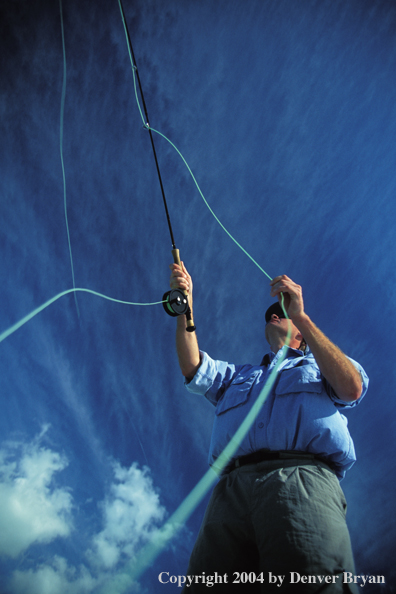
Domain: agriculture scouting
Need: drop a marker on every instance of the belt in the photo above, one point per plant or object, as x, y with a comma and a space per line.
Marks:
262, 455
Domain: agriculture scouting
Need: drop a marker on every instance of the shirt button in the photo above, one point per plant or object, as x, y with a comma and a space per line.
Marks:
261, 424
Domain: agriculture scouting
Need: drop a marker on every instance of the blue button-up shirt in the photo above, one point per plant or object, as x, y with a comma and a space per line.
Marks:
301, 412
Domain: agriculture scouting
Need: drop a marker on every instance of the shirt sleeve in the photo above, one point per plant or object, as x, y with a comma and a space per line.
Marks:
212, 378
342, 403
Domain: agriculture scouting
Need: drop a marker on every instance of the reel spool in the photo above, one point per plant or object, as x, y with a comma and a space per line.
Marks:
175, 303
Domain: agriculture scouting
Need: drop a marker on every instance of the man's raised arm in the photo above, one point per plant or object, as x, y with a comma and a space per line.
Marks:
341, 374
186, 342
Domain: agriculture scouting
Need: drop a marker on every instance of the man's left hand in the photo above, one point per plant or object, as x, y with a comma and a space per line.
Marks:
292, 293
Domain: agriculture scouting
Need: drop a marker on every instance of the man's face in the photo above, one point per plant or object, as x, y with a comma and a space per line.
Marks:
275, 320
276, 326
276, 332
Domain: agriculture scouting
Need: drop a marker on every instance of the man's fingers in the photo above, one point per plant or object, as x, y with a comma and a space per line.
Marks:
174, 266
179, 283
179, 270
283, 284
281, 277
180, 279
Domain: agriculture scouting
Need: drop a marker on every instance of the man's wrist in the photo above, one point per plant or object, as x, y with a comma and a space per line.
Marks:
181, 322
301, 321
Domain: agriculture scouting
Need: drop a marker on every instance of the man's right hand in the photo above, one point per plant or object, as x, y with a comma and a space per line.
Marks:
180, 279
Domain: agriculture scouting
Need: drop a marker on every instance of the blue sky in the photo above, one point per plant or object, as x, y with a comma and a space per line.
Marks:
286, 113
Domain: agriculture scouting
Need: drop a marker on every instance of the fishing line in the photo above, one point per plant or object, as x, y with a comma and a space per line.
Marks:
36, 311
207, 204
62, 113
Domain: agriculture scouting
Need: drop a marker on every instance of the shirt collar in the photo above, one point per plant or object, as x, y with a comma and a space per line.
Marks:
269, 357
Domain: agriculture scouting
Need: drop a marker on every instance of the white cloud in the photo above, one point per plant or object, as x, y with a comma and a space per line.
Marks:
131, 513
31, 509
53, 578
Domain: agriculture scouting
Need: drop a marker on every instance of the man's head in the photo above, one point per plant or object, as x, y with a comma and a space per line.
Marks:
276, 329
276, 309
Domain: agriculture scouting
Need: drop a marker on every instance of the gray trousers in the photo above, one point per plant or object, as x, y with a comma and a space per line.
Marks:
275, 518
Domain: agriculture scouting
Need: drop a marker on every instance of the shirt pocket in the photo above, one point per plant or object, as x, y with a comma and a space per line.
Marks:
299, 379
236, 394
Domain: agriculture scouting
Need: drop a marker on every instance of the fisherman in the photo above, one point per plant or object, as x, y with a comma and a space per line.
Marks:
278, 511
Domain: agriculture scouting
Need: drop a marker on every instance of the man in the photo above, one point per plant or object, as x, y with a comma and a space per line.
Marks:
276, 519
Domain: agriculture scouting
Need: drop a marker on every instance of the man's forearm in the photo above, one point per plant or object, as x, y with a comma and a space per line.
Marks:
187, 349
338, 370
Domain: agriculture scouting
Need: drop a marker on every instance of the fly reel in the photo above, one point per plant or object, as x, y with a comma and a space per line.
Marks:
175, 303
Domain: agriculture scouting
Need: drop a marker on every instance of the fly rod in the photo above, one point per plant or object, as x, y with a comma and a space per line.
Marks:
175, 302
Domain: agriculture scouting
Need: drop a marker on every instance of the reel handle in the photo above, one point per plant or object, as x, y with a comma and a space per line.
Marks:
190, 321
